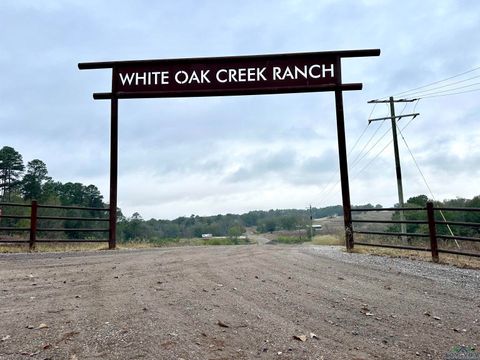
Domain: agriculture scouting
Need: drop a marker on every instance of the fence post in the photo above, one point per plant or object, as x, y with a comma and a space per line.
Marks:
33, 225
432, 231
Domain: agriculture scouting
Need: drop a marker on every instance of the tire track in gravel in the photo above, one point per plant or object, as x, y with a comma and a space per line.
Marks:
166, 303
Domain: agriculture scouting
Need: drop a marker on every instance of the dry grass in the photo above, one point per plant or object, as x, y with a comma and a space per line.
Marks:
53, 247
67, 247
449, 259
327, 240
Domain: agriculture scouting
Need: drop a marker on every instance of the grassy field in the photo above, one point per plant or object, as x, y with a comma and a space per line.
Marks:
328, 239
61, 247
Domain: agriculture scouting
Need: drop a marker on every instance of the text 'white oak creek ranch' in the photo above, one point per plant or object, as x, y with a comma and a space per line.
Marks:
227, 75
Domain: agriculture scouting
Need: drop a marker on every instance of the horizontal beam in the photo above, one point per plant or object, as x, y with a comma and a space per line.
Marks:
393, 246
390, 233
388, 209
14, 229
73, 229
70, 241
455, 252
390, 221
341, 54
70, 218
14, 204
13, 242
203, 93
463, 238
396, 117
14, 217
387, 101
72, 207
455, 209
458, 223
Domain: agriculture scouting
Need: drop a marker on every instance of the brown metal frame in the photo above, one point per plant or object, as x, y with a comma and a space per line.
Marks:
338, 88
432, 231
33, 229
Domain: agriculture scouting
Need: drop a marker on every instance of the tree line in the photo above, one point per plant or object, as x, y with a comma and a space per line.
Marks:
231, 225
20, 183
31, 182
420, 201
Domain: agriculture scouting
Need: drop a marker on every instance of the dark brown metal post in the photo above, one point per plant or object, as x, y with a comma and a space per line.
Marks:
432, 231
33, 225
113, 173
342, 152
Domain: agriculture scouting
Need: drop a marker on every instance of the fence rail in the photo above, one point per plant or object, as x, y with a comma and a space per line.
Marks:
34, 218
432, 223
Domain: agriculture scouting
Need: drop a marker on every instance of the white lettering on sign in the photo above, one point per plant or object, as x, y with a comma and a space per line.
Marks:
241, 75
126, 78
204, 77
145, 78
294, 73
182, 77
330, 70
229, 75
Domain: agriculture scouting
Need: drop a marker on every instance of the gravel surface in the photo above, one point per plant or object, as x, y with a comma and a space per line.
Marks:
233, 302
446, 274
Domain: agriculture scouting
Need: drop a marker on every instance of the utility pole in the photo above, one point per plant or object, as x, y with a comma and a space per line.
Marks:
311, 223
393, 118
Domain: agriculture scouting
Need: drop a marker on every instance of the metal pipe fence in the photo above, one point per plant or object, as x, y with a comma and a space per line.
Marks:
433, 234
34, 218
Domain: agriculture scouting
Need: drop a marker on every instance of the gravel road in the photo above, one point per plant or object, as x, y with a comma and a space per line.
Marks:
233, 302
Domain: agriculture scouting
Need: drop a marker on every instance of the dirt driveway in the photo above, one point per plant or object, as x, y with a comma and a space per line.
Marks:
235, 302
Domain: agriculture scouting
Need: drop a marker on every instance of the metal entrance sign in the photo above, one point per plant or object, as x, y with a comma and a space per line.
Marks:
224, 76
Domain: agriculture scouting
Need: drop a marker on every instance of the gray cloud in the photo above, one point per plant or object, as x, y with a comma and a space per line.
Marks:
223, 148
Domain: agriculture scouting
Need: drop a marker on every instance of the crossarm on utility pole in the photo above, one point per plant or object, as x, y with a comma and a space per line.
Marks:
398, 117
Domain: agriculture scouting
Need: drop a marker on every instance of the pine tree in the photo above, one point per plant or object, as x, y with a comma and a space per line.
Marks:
34, 179
11, 168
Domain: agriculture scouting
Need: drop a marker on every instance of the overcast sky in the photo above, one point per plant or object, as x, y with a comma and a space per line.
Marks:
207, 156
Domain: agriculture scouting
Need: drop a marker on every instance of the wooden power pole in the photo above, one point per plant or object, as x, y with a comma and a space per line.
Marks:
398, 169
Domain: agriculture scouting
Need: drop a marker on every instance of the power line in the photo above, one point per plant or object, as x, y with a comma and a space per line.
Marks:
443, 86
358, 139
426, 183
439, 81
329, 183
372, 160
355, 162
455, 93
328, 190
416, 103
426, 93
332, 177
331, 186
356, 159
381, 151
363, 132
